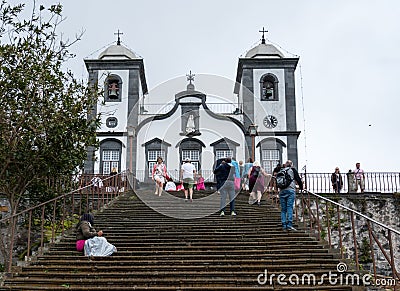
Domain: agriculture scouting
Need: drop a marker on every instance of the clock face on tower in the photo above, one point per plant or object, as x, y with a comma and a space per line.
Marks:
270, 121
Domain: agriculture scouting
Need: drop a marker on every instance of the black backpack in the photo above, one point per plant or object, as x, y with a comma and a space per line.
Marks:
283, 179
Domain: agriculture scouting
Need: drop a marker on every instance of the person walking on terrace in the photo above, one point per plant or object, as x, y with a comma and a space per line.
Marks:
337, 181
359, 178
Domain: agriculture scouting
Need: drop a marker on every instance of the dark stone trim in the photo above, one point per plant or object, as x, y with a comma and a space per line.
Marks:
207, 110
190, 139
110, 144
276, 87
134, 78
106, 83
155, 140
188, 109
290, 100
111, 133
280, 133
157, 117
224, 117
245, 63
268, 139
190, 93
136, 64
292, 150
92, 114
272, 144
224, 140
225, 144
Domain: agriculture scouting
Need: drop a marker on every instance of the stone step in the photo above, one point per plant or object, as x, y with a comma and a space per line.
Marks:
158, 280
177, 266
184, 246
209, 253
157, 252
169, 288
223, 259
187, 271
204, 241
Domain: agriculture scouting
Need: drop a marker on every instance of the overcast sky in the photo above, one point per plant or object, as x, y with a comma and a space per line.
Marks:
349, 60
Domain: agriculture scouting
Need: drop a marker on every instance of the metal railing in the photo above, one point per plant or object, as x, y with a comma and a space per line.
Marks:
380, 182
143, 176
366, 243
44, 222
222, 108
376, 182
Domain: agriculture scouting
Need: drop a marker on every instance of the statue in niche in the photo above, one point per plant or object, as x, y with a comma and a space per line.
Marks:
190, 126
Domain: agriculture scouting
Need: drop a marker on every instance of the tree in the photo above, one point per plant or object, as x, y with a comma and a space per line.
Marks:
43, 109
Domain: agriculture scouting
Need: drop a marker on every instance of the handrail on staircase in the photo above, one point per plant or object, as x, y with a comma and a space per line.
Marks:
369, 241
45, 221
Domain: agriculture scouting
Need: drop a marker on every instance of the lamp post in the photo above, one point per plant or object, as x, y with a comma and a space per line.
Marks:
253, 133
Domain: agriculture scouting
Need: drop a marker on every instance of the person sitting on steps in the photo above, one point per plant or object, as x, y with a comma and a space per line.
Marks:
91, 241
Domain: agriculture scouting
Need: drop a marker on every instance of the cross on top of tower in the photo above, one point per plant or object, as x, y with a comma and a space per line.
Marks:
119, 39
263, 38
190, 77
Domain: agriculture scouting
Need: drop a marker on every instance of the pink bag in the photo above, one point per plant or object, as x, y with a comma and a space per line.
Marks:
237, 184
200, 184
80, 245
180, 188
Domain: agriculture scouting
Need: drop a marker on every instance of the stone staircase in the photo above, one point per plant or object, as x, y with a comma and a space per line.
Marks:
158, 252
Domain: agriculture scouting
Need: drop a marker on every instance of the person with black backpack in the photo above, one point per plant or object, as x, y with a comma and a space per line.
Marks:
286, 180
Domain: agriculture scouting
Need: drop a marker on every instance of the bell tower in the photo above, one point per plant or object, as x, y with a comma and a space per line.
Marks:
120, 73
265, 84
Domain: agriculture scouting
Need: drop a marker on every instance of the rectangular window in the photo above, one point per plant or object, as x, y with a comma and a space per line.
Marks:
193, 155
152, 156
110, 160
220, 154
270, 158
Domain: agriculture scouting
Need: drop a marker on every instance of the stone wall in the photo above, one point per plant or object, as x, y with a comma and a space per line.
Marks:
382, 208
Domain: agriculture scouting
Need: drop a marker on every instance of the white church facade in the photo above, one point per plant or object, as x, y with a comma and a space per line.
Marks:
260, 123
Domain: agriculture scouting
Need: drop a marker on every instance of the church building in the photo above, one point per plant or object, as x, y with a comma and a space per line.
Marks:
259, 124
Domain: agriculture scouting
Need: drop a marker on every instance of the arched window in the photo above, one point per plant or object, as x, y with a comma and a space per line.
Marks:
269, 88
113, 89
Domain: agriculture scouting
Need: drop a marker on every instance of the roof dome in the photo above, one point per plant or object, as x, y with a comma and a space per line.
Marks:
118, 52
264, 50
